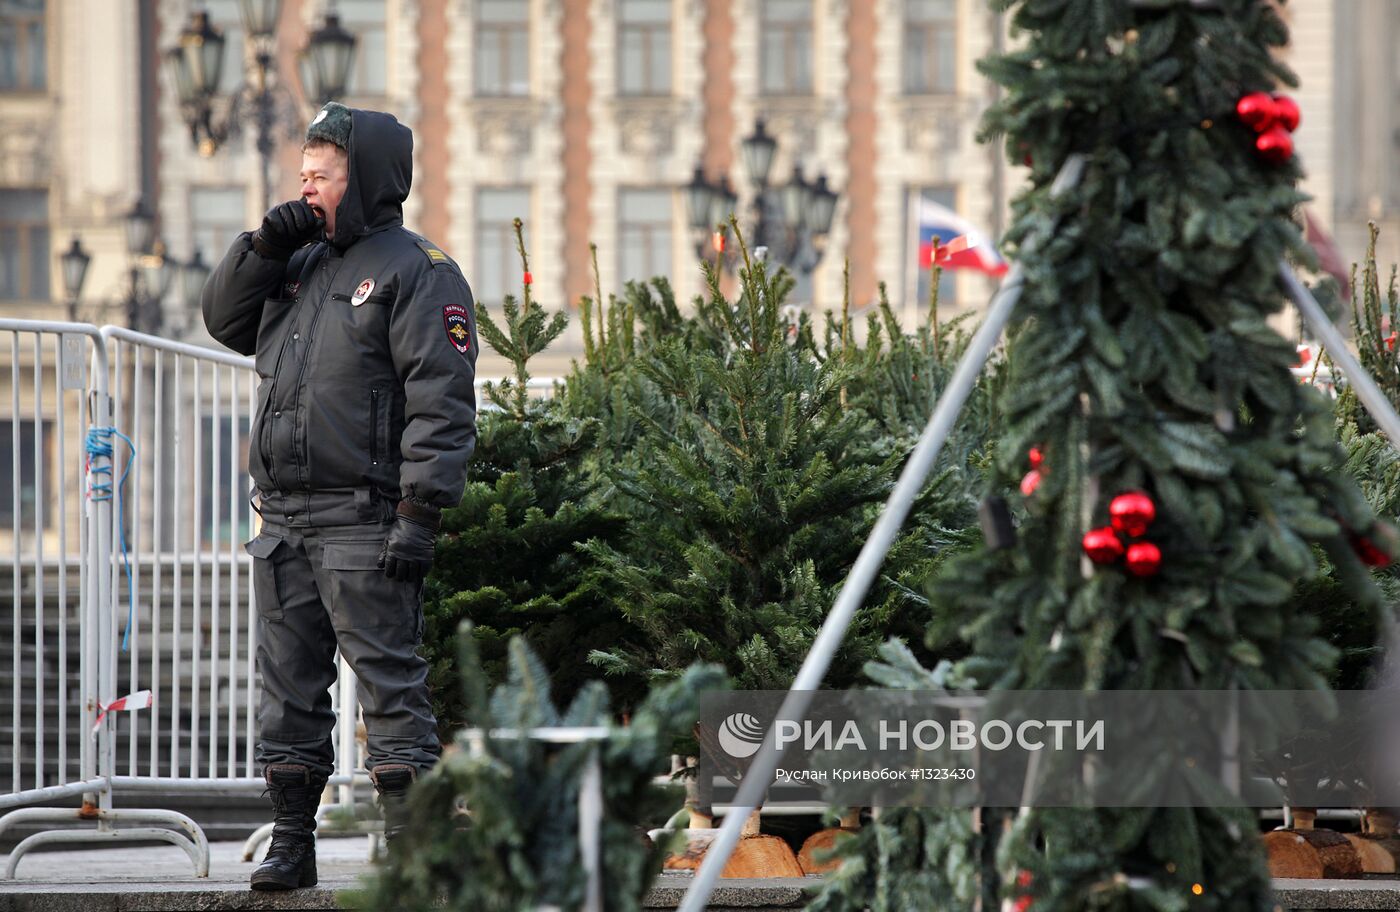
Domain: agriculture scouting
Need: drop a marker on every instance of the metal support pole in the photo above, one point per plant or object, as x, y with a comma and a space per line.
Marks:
872, 555
1381, 408
590, 829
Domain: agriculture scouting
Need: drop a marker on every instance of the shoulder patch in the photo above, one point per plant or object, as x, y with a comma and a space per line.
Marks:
435, 256
454, 318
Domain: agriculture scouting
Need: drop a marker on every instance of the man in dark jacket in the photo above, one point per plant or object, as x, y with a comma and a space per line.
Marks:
365, 345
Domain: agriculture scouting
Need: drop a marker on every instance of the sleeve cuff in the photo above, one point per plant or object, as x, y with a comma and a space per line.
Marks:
418, 511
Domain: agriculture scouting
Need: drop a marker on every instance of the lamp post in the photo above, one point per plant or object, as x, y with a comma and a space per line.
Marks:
792, 221
196, 66
326, 61
149, 275
73, 264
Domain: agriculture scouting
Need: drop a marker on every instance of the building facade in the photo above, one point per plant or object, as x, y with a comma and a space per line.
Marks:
585, 118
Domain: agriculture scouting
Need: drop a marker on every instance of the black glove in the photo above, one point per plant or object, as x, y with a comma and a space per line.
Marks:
287, 228
408, 551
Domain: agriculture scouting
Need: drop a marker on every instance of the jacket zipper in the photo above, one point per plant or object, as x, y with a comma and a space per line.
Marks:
301, 373
265, 442
272, 404
374, 426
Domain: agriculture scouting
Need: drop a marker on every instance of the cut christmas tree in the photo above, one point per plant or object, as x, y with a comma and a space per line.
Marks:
508, 558
751, 492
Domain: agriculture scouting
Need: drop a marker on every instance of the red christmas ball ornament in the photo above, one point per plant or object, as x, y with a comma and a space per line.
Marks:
1256, 110
1368, 552
1102, 545
1021, 904
1274, 145
529, 279
1286, 113
1132, 513
1023, 878
1143, 558
1030, 482
1035, 457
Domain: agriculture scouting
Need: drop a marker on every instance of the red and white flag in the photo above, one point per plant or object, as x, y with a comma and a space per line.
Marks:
1328, 256
951, 241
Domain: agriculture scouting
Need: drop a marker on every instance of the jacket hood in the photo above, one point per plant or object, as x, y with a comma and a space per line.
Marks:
381, 171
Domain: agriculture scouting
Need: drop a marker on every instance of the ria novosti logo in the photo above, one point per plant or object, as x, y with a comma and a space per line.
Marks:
741, 735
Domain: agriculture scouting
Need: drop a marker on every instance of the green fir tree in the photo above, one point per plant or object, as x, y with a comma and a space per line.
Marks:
751, 485
497, 820
508, 559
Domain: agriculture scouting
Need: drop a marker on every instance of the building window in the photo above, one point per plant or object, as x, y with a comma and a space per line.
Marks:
24, 245
29, 489
930, 43
785, 47
22, 59
503, 47
218, 216
644, 234
365, 19
644, 47
497, 262
928, 210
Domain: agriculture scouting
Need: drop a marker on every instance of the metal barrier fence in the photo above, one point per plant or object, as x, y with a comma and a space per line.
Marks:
126, 513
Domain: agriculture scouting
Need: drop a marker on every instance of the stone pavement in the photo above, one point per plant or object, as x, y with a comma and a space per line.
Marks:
160, 878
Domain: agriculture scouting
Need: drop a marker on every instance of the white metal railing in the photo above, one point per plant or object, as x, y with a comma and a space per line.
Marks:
128, 468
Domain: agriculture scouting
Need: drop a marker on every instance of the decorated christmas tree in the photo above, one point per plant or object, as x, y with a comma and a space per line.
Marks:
1183, 479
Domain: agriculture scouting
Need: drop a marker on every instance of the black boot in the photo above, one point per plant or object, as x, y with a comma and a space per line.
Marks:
392, 781
291, 859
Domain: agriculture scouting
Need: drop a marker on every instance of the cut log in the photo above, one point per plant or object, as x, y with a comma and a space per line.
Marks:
1377, 855
754, 856
1310, 854
818, 843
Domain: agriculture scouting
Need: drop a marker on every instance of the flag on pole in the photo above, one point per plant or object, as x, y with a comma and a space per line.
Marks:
1328, 256
953, 242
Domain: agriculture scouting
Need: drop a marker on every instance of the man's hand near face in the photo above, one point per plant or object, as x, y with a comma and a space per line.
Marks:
287, 228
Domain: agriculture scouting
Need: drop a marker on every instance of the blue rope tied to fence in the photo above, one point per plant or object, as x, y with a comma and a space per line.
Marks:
99, 445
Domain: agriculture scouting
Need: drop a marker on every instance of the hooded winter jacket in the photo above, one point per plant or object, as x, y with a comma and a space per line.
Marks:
365, 347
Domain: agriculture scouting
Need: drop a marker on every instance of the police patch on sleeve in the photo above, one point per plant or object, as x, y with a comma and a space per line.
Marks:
454, 317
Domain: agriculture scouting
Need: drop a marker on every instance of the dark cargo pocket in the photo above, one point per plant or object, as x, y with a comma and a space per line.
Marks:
361, 555
265, 595
363, 598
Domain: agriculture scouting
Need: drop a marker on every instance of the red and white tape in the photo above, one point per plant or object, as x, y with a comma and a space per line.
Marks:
141, 699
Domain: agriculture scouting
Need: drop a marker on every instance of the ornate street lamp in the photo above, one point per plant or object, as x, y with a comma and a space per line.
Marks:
193, 275
758, 148
723, 203
698, 199
73, 264
794, 198
790, 223
821, 207
140, 225
326, 61
260, 16
195, 65
156, 271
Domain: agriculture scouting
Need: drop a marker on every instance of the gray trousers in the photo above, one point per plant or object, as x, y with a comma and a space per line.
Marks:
317, 588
